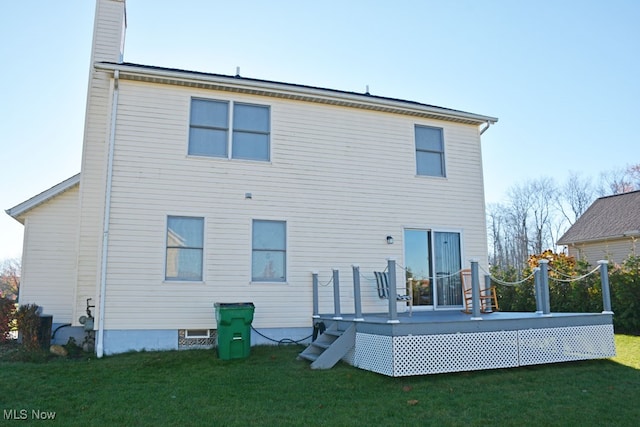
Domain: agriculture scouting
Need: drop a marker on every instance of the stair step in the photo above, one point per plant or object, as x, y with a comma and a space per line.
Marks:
309, 356
324, 345
330, 347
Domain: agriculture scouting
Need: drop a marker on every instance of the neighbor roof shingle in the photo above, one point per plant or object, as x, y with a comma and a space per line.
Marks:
608, 217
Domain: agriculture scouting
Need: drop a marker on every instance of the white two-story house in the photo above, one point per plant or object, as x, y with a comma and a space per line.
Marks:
197, 188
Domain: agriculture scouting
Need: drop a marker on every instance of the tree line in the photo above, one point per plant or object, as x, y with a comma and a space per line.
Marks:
537, 212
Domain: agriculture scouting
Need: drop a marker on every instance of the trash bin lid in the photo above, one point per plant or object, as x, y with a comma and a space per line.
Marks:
234, 305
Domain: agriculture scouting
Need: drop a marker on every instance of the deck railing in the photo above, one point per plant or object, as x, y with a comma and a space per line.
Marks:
541, 290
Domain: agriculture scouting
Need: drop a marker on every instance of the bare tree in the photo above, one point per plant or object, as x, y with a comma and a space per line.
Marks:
543, 195
519, 208
576, 196
538, 212
634, 174
10, 279
618, 181
496, 227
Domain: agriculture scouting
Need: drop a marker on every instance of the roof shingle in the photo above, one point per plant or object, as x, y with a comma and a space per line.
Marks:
608, 217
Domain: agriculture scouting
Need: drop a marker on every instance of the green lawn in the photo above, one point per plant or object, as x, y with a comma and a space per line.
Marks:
272, 388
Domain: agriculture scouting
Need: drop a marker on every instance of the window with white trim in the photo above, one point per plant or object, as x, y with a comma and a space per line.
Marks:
197, 333
185, 238
429, 151
269, 253
243, 134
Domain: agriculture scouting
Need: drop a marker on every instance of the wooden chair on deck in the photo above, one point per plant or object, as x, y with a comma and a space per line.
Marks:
488, 297
382, 281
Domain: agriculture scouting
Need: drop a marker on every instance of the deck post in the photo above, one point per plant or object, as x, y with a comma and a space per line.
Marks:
316, 314
537, 289
606, 294
475, 291
544, 278
393, 291
336, 295
356, 293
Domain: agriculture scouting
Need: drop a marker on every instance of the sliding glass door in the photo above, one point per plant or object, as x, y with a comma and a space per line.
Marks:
433, 261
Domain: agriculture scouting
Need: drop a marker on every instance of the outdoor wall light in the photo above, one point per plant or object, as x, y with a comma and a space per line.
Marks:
389, 240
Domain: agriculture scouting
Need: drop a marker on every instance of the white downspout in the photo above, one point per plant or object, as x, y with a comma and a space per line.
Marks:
485, 129
107, 211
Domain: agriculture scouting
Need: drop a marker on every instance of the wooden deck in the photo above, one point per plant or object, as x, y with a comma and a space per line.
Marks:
431, 342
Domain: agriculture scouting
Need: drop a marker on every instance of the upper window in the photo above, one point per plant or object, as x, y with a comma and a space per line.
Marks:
208, 134
269, 253
209, 130
429, 151
184, 248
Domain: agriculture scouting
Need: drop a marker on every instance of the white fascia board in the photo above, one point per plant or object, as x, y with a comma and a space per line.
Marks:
288, 90
46, 195
604, 239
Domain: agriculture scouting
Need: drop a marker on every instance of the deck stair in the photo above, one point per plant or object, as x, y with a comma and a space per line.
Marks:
331, 346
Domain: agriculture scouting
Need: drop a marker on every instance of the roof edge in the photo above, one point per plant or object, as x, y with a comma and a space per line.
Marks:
43, 197
273, 88
597, 239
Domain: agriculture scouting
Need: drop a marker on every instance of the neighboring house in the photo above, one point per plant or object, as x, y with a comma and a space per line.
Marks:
198, 188
609, 229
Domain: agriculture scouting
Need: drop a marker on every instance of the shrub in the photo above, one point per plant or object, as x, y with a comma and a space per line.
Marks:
28, 320
624, 281
7, 316
577, 296
519, 297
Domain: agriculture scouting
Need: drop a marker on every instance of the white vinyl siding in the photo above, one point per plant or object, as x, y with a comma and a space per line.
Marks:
49, 256
342, 178
614, 250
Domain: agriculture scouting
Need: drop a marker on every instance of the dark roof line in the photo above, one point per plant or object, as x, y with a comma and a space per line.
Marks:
294, 85
619, 194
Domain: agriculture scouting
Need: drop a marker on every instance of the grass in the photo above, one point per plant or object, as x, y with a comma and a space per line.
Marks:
272, 388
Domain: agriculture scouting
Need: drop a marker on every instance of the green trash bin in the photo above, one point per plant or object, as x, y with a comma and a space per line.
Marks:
234, 329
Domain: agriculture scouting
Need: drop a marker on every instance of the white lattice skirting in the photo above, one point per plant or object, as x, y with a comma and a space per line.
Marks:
433, 354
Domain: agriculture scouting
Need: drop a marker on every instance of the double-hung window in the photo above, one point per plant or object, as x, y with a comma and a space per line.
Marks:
230, 130
209, 128
185, 238
429, 151
269, 251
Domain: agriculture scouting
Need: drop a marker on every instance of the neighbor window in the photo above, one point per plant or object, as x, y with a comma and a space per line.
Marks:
429, 151
268, 258
184, 248
210, 123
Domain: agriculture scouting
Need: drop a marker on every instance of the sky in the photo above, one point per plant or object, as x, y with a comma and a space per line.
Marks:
563, 77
